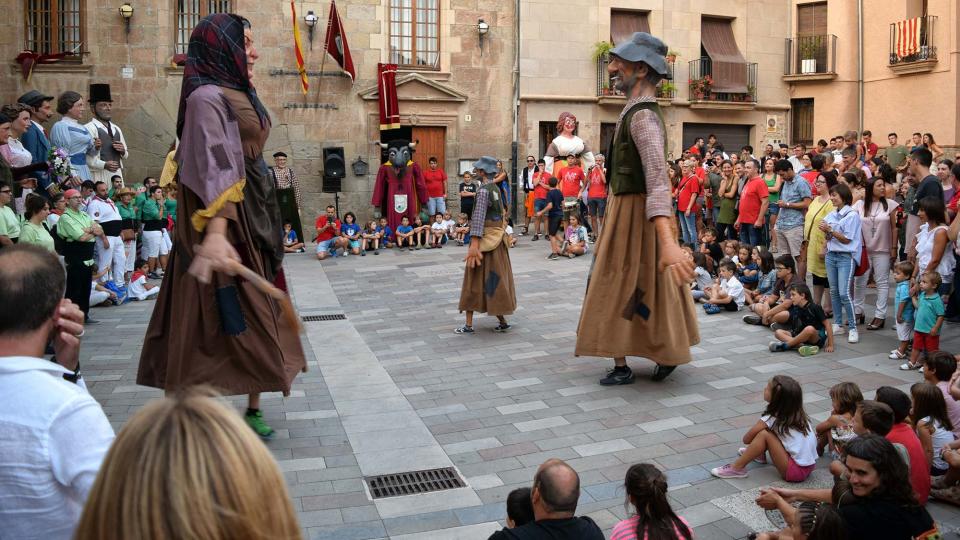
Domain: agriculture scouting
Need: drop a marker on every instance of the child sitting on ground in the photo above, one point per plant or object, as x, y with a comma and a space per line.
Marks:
351, 231
448, 225
710, 248
768, 275
702, 280
405, 235
933, 426
774, 307
291, 244
574, 238
903, 433
871, 417
807, 521
462, 230
747, 269
437, 232
100, 295
370, 239
903, 309
730, 250
727, 294
927, 319
940, 369
139, 289
387, 238
646, 488
837, 430
519, 508
809, 327
784, 431
509, 231
421, 232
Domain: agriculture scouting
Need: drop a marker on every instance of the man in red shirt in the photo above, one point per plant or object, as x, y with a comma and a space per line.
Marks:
436, 180
597, 195
541, 185
572, 182
903, 434
754, 201
868, 149
328, 234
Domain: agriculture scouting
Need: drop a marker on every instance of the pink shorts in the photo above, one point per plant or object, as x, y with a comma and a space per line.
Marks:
796, 473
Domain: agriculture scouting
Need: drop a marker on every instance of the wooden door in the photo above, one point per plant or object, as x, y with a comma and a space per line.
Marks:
433, 143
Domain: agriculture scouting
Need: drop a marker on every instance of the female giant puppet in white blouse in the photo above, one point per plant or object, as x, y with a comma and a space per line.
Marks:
567, 143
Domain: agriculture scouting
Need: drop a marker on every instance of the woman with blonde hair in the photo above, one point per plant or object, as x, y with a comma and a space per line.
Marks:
188, 467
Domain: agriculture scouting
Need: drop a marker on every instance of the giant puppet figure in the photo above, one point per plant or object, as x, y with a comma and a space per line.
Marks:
400, 188
567, 143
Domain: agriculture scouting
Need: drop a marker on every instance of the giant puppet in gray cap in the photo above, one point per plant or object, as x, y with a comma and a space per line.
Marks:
638, 300
113, 147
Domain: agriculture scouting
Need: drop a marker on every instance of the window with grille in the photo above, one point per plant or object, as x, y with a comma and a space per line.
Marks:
189, 13
801, 129
415, 33
55, 26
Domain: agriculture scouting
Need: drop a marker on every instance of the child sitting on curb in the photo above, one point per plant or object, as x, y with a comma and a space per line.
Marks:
809, 327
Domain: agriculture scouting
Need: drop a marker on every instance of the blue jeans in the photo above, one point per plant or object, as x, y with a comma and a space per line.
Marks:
840, 268
688, 228
436, 204
749, 234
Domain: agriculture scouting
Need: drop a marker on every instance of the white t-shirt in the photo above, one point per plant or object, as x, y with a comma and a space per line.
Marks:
940, 438
449, 224
438, 227
703, 278
802, 448
733, 288
136, 288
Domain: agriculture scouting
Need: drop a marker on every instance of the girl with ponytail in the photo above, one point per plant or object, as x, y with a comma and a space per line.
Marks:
653, 518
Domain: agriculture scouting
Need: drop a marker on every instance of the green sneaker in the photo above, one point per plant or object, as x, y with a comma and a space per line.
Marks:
808, 350
255, 421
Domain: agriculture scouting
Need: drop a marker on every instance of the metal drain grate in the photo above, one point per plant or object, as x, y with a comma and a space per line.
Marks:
315, 318
411, 483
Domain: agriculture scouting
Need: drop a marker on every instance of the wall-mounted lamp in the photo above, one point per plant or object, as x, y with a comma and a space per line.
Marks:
310, 19
126, 11
482, 29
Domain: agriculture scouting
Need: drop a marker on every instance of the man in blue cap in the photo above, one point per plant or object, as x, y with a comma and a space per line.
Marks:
638, 300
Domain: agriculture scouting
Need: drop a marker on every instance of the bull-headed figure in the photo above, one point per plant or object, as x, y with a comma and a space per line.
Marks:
400, 189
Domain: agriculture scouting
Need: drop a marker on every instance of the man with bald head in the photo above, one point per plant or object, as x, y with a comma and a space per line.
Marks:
556, 490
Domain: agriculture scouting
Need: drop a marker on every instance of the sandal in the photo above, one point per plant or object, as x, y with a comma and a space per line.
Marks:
876, 324
907, 366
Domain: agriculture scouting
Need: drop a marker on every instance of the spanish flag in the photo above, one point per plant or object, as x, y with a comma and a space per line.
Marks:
298, 50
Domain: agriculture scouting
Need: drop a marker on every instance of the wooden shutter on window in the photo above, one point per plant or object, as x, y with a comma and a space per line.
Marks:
623, 23
812, 19
729, 69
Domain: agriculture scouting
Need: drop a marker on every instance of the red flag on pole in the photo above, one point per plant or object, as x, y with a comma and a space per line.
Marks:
336, 42
298, 51
387, 91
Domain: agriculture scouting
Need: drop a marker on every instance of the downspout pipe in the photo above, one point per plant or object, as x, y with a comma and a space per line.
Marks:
860, 84
514, 146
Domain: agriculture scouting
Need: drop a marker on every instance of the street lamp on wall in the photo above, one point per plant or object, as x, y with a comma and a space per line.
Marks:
310, 19
126, 11
482, 29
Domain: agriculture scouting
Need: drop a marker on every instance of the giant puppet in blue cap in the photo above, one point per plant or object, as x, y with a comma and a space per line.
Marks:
638, 300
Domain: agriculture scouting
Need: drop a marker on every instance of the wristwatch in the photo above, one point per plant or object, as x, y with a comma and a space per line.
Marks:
71, 377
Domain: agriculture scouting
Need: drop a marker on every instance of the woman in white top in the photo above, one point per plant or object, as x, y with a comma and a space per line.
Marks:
932, 242
14, 152
879, 231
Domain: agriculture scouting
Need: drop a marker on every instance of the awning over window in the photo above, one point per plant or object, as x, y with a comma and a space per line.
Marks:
623, 23
729, 69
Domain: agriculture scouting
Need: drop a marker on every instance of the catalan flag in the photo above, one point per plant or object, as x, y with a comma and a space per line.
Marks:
298, 50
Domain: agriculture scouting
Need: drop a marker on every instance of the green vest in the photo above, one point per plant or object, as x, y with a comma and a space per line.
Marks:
624, 166
494, 202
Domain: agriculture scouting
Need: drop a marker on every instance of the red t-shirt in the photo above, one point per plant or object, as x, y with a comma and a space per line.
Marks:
328, 233
597, 189
571, 181
436, 181
919, 468
811, 178
540, 190
754, 193
688, 187
869, 150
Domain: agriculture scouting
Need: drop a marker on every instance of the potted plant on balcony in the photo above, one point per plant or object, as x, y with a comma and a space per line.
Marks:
601, 49
666, 90
605, 90
672, 56
700, 88
809, 47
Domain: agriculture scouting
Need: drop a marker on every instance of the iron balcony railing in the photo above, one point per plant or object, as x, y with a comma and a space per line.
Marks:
911, 40
810, 55
702, 81
665, 90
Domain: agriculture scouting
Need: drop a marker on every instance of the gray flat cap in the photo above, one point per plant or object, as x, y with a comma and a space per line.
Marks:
34, 98
645, 48
486, 164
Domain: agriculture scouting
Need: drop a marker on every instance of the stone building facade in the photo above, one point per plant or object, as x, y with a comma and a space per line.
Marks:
462, 102
559, 72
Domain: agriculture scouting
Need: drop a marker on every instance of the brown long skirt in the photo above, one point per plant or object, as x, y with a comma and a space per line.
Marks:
630, 308
187, 344
488, 288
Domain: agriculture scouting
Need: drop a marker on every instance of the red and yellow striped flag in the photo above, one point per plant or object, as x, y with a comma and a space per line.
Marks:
298, 50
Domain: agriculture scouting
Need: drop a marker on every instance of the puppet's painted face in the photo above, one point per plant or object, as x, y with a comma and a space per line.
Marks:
103, 110
399, 155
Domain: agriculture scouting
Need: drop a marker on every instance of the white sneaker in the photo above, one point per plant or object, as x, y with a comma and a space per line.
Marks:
838, 330
854, 336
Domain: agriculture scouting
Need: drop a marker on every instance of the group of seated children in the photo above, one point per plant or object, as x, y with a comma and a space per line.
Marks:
730, 275
107, 293
434, 235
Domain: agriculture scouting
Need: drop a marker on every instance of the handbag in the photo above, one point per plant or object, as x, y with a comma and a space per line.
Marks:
863, 266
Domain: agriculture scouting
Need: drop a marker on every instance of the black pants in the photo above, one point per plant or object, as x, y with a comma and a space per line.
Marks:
79, 277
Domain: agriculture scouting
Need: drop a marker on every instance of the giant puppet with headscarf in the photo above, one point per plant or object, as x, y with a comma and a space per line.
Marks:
210, 326
400, 189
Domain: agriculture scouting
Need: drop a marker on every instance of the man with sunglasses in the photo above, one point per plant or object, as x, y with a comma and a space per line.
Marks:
527, 177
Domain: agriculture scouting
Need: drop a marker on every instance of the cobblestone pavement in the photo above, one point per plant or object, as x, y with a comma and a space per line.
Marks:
392, 388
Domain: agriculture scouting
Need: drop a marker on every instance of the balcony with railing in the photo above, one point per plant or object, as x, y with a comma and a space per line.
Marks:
608, 95
722, 85
810, 58
912, 48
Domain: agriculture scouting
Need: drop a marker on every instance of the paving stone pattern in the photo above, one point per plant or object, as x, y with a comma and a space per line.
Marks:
392, 388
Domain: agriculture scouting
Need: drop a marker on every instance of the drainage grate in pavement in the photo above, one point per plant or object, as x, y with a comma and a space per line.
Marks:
315, 318
411, 483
